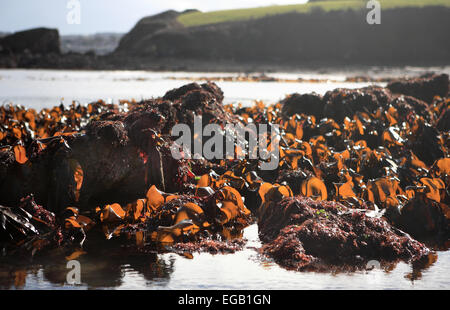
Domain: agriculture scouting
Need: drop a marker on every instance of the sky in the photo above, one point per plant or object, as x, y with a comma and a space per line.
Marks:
105, 15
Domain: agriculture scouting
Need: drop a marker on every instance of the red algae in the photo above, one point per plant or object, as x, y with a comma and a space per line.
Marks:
299, 231
210, 246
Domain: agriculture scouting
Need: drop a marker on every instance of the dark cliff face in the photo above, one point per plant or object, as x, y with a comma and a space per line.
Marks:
405, 36
36, 41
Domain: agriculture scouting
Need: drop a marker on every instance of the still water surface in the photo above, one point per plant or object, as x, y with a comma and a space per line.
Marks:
243, 270
46, 88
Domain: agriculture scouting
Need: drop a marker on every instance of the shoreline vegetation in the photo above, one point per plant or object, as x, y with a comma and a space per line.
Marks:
196, 18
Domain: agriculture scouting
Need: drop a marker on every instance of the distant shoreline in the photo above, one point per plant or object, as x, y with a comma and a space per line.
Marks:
287, 42
77, 61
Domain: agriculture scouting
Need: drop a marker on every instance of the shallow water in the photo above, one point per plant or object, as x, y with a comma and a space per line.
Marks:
108, 268
46, 88
245, 269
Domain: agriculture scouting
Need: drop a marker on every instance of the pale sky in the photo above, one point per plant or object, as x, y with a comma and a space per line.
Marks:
105, 15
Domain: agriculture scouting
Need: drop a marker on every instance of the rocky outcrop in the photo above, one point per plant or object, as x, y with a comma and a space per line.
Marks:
147, 28
275, 42
120, 153
34, 41
408, 96
336, 37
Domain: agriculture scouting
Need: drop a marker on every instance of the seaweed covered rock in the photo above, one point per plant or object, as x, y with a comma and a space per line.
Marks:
424, 88
203, 100
443, 123
111, 164
178, 93
427, 144
424, 218
407, 106
299, 231
310, 104
119, 154
45, 173
293, 178
341, 102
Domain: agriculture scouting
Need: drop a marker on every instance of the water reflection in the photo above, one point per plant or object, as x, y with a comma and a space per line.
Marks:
117, 263
104, 264
96, 271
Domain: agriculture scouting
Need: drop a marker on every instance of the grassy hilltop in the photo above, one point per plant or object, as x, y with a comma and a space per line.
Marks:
199, 18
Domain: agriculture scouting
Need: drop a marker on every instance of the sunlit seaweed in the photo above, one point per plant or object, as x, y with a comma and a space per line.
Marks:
355, 167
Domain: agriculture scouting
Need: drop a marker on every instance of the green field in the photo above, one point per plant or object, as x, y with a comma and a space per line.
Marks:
198, 18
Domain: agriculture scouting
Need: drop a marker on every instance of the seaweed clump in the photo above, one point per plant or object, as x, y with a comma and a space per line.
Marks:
211, 246
300, 232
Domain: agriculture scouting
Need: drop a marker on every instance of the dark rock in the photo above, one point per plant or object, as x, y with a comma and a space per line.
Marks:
407, 106
309, 104
424, 218
298, 38
426, 144
178, 93
146, 28
36, 41
113, 131
342, 102
443, 123
423, 88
